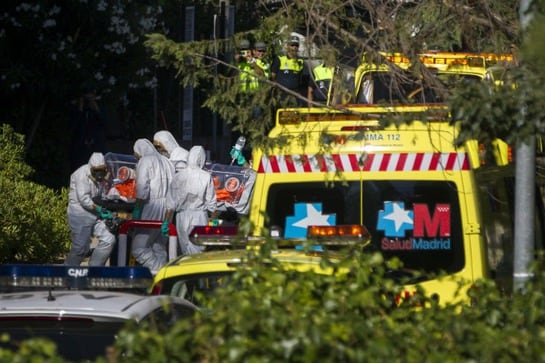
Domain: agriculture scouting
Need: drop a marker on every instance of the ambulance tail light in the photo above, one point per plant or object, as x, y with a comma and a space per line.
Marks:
408, 297
157, 289
339, 235
500, 155
216, 236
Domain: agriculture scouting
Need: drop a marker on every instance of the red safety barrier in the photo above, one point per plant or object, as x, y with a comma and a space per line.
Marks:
140, 223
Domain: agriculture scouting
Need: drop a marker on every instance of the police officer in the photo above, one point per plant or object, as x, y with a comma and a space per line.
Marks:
287, 70
260, 65
320, 85
252, 65
245, 65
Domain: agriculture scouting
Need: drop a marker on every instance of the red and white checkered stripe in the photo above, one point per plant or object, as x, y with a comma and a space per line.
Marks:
364, 162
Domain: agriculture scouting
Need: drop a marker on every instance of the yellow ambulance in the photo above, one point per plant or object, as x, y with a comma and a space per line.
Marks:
392, 77
441, 209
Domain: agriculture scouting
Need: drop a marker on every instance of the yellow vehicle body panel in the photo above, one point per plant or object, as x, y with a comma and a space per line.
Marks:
229, 260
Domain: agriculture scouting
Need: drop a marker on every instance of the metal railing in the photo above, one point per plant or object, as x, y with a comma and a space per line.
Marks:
122, 244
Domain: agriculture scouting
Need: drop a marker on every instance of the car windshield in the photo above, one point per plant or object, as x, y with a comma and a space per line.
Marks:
190, 286
403, 87
85, 338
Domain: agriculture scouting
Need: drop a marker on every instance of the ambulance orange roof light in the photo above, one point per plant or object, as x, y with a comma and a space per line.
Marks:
340, 234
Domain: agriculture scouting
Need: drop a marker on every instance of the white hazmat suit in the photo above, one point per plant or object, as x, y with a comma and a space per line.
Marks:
178, 157
83, 217
191, 196
165, 142
154, 174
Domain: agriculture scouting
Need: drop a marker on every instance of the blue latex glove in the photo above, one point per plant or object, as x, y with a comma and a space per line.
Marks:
241, 160
137, 212
164, 228
237, 155
104, 213
234, 153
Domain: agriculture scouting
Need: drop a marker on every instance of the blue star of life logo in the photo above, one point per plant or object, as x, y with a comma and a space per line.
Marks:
306, 214
394, 220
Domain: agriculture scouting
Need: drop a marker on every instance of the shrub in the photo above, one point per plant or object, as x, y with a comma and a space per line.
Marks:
276, 315
33, 218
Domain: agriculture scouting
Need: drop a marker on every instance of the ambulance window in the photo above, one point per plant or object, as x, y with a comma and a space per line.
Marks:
287, 202
452, 81
380, 87
186, 286
416, 221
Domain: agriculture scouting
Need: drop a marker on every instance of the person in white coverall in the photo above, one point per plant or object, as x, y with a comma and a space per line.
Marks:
167, 145
154, 174
191, 196
85, 218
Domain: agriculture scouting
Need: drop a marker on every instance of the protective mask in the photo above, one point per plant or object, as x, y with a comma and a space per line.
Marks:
99, 174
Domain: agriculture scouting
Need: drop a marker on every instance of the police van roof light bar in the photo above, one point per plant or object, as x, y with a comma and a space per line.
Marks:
24, 277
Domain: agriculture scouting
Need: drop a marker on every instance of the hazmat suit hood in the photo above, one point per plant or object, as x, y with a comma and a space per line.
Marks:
97, 161
144, 147
179, 154
166, 140
196, 157
98, 168
179, 157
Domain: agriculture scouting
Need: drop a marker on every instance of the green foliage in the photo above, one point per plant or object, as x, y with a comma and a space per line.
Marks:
350, 28
279, 315
267, 313
12, 163
512, 109
31, 351
33, 224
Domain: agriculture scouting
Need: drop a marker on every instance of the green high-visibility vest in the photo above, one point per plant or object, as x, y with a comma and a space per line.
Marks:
322, 77
322, 72
248, 78
245, 76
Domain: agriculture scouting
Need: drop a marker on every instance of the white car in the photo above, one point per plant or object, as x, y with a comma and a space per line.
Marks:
83, 323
